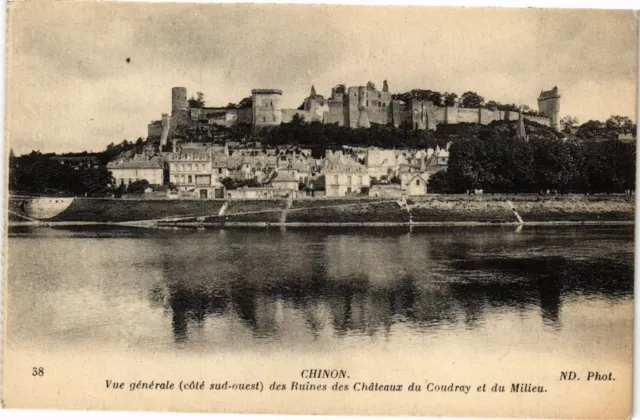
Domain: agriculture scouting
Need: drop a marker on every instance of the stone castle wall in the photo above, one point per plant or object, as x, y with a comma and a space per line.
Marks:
345, 110
287, 115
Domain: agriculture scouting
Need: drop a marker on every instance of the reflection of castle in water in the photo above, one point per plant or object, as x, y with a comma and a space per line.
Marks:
346, 284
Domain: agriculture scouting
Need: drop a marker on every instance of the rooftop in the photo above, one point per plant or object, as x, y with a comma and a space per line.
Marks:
266, 91
153, 163
553, 93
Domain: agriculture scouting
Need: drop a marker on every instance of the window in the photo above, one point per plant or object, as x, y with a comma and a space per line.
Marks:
349, 180
360, 180
190, 179
367, 103
335, 179
189, 166
264, 119
219, 170
417, 182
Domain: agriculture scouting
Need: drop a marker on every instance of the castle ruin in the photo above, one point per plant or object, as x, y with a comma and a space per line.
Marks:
355, 107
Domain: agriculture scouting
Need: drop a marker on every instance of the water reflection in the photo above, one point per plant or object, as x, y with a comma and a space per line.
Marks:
365, 284
310, 288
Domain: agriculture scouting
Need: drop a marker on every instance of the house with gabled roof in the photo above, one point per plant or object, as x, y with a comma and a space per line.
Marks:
141, 167
343, 175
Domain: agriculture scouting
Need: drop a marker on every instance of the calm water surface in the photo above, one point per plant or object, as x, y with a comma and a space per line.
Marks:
556, 291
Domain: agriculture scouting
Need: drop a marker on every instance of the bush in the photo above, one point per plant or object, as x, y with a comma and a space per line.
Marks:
138, 186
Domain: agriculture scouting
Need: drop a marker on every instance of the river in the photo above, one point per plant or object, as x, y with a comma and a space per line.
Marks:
321, 290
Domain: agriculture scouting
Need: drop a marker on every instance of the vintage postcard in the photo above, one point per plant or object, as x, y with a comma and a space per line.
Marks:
314, 209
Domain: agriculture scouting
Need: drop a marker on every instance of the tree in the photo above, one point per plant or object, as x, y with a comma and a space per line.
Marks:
371, 86
465, 170
568, 122
471, 100
591, 129
449, 99
297, 119
492, 105
554, 164
421, 95
617, 124
438, 182
197, 102
246, 102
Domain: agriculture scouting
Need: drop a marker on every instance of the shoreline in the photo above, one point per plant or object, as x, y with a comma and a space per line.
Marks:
222, 225
381, 212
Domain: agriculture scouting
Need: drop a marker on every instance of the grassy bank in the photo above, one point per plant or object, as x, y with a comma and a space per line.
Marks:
532, 208
484, 209
133, 210
251, 211
341, 211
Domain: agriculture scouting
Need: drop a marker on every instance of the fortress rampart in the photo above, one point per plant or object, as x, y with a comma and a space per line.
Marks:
355, 107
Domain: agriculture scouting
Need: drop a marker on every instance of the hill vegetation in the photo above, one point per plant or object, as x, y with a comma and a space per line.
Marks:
487, 157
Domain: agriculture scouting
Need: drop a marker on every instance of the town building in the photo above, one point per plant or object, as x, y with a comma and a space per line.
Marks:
141, 167
191, 170
284, 181
414, 179
343, 175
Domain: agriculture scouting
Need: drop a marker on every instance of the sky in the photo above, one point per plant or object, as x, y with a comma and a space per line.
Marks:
71, 88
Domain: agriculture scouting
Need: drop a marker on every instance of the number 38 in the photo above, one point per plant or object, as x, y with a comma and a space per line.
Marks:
37, 371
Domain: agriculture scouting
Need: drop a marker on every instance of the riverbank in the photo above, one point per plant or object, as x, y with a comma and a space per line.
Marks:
432, 210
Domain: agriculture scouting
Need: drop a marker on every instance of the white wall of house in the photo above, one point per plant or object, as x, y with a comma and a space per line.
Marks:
190, 173
342, 183
414, 183
126, 176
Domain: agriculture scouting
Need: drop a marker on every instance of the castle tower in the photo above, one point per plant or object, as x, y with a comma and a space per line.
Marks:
385, 86
267, 109
363, 117
179, 98
166, 124
549, 105
362, 97
521, 133
313, 92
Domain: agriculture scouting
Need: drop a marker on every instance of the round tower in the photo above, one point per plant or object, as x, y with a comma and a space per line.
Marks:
179, 98
549, 105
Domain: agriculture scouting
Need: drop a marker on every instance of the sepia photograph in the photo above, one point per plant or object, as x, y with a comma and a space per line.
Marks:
319, 209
